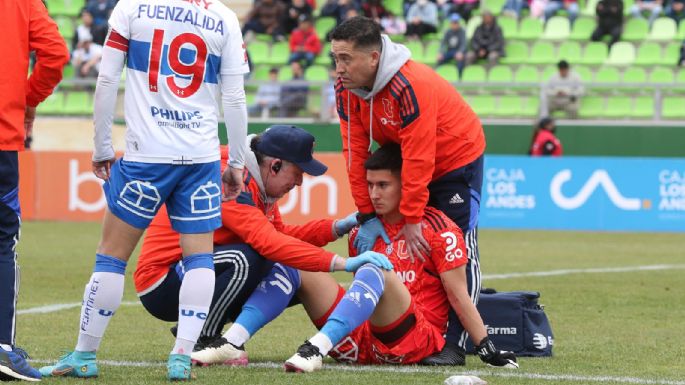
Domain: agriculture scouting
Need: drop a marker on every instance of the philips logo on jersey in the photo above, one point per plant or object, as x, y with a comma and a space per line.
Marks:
181, 15
180, 116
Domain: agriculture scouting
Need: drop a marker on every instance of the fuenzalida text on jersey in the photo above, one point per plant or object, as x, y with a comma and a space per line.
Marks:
181, 15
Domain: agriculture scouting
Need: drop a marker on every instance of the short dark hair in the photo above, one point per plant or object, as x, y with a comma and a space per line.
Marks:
387, 157
360, 30
253, 146
273, 70
563, 65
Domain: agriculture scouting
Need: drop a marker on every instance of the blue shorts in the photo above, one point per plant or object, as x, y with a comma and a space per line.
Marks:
135, 191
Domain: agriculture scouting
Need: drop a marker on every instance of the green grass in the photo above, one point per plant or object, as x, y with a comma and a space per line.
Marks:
621, 325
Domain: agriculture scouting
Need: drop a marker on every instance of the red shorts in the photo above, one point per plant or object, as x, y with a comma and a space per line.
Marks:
362, 347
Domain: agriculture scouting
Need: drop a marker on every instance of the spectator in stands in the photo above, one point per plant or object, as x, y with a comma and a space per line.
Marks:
453, 44
329, 110
554, 6
375, 10
295, 10
676, 10
86, 24
338, 9
564, 90
513, 8
100, 10
609, 20
393, 25
86, 57
265, 17
653, 7
487, 41
294, 93
268, 98
462, 7
537, 8
544, 142
422, 18
304, 43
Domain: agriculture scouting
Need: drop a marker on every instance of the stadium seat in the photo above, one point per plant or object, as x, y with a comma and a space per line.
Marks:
323, 25
471, 26
617, 107
509, 27
279, 53
591, 106
622, 53
672, 108
595, 53
448, 72
259, 52
260, 72
508, 107
394, 6
680, 36
648, 54
416, 49
285, 73
500, 74
585, 73
516, 52
583, 28
542, 52
635, 30
324, 58
661, 75
316, 73
643, 107
53, 105
66, 27
68, 72
607, 77
671, 54
530, 29
527, 74
483, 105
680, 81
663, 29
558, 28
530, 107
634, 76
474, 73
589, 9
550, 70
627, 4
78, 103
266, 38
570, 51
494, 6
65, 7
430, 53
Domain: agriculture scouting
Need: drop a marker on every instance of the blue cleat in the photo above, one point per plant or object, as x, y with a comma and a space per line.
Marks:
178, 367
13, 366
73, 364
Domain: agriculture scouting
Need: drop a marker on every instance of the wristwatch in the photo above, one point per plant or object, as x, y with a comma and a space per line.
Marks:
362, 218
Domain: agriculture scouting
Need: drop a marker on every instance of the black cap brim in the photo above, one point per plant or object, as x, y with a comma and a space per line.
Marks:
313, 167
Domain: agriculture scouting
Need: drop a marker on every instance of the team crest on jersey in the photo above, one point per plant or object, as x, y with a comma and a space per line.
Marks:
388, 249
401, 252
389, 113
387, 358
345, 351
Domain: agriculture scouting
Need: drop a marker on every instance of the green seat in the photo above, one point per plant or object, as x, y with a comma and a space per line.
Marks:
66, 27
527, 74
530, 107
583, 28
516, 52
285, 73
65, 7
474, 73
661, 75
622, 54
500, 74
635, 30
673, 108
264, 37
324, 58
589, 9
259, 52
591, 107
416, 49
508, 107
430, 53
69, 71
570, 51
448, 72
261, 72
53, 105
550, 70
483, 105
530, 29
618, 107
509, 27
542, 52
671, 54
634, 76
680, 82
643, 107
680, 36
471, 26
323, 25
78, 103
584, 72
648, 54
495, 6
663, 29
393, 6
558, 28
595, 53
279, 53
607, 77
316, 73
55, 7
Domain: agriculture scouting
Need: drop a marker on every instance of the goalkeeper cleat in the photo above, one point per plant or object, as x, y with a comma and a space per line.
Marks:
220, 352
13, 366
73, 364
178, 367
307, 359
450, 355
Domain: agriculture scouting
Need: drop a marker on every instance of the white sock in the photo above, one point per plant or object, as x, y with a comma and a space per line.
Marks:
101, 298
7, 348
237, 335
194, 299
322, 342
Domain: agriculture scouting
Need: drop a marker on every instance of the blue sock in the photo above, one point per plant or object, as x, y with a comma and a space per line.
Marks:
270, 298
357, 305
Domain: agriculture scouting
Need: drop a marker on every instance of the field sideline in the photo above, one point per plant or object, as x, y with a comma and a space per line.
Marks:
615, 301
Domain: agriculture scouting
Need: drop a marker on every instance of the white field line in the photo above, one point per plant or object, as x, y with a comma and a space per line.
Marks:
502, 373
626, 269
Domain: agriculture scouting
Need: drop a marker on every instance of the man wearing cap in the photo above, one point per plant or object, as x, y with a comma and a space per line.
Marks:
453, 44
253, 241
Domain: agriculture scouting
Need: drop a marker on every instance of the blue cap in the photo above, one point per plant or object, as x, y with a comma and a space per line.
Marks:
455, 17
293, 144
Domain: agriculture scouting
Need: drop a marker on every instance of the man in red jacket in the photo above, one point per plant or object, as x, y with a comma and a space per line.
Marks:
384, 96
26, 27
304, 43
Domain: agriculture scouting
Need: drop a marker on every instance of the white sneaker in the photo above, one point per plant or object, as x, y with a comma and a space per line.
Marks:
220, 352
306, 360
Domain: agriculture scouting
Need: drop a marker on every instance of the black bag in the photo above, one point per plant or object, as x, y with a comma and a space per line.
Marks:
515, 322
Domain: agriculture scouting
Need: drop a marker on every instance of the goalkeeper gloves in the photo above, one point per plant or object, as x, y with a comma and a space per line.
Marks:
493, 357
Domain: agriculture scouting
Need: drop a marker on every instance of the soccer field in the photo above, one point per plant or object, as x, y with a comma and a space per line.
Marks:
616, 302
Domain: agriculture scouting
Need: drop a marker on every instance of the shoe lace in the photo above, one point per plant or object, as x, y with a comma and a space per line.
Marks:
22, 353
307, 350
